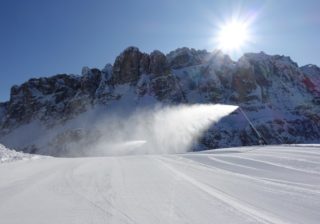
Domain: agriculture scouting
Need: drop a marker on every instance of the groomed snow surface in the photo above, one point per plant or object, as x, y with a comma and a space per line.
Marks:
278, 184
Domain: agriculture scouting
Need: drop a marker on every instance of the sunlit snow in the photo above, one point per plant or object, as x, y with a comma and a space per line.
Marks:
272, 184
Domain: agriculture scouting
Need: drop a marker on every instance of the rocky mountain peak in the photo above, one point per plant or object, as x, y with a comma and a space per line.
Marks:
263, 58
131, 64
126, 68
311, 70
158, 63
183, 57
287, 97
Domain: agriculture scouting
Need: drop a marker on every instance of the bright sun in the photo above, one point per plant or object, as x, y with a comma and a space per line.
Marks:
233, 36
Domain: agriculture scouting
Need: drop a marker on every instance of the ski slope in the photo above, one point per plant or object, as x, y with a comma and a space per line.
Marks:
278, 184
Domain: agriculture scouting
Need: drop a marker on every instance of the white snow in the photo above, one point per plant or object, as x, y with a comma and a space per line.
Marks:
10, 155
273, 184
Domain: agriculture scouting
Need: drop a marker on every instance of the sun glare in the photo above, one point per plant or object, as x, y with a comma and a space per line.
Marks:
233, 36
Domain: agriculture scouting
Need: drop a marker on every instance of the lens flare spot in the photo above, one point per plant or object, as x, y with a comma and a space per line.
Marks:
233, 35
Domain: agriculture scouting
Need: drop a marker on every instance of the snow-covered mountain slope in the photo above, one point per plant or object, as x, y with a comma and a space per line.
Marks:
274, 184
278, 101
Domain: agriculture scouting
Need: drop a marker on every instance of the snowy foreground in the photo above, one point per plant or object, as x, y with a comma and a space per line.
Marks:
279, 184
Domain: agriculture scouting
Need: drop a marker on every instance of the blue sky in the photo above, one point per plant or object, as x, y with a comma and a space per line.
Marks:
45, 37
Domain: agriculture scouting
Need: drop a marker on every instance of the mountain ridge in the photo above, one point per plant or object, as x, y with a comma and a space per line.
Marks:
280, 98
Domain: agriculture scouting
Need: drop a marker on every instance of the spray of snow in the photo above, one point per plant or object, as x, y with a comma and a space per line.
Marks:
10, 155
163, 130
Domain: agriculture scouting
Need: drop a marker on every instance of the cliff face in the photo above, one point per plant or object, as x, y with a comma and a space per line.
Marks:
279, 100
